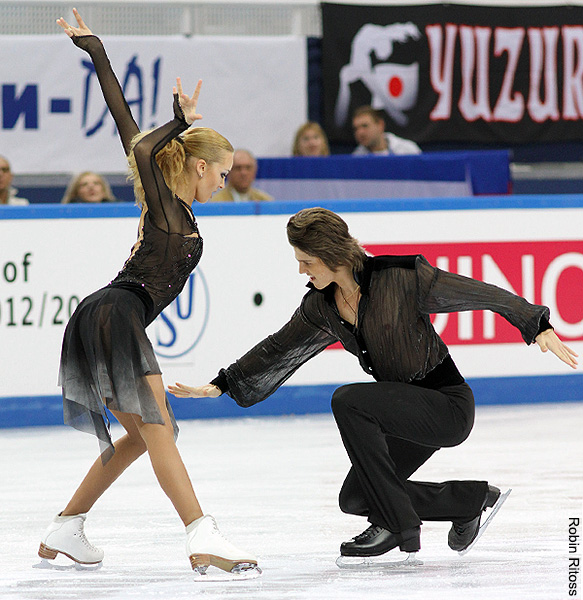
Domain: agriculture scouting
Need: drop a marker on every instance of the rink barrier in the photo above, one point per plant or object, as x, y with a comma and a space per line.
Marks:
128, 209
38, 411
43, 410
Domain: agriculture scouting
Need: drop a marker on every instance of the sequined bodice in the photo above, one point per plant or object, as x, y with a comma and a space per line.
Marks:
161, 263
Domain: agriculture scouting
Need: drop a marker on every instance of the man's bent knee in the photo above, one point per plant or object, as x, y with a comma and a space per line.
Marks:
343, 398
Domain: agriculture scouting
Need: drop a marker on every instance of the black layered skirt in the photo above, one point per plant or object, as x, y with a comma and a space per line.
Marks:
105, 359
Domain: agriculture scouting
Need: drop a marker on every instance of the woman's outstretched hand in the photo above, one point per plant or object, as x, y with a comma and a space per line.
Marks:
548, 340
204, 391
188, 103
70, 30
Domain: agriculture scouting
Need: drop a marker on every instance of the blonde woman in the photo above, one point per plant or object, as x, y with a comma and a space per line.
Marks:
107, 359
310, 140
88, 187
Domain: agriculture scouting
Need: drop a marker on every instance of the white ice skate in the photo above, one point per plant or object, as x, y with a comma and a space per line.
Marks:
206, 546
66, 536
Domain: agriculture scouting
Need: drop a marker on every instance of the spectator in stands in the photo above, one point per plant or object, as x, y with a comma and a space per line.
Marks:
369, 132
240, 181
88, 187
7, 192
310, 140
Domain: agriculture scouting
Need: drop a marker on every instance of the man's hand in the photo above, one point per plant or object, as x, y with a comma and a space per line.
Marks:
548, 340
204, 391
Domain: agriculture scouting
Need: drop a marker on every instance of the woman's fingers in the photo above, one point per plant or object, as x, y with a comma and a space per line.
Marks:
80, 21
82, 29
66, 27
197, 92
179, 86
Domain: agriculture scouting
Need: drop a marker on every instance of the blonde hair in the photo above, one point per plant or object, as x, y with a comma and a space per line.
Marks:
322, 233
306, 127
199, 142
72, 191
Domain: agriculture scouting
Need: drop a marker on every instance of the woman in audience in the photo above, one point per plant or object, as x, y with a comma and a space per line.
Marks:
310, 140
88, 187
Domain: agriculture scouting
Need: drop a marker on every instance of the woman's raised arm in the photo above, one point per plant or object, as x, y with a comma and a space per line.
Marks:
112, 92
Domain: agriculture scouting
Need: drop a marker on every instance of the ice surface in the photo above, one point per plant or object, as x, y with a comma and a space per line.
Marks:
272, 484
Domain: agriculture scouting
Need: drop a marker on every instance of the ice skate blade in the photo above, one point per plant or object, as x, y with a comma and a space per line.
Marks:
244, 572
501, 499
377, 563
65, 564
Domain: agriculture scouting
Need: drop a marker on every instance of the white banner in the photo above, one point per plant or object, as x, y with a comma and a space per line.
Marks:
247, 286
53, 117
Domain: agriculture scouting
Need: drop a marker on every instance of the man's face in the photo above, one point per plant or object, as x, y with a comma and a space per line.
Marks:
367, 131
5, 175
243, 173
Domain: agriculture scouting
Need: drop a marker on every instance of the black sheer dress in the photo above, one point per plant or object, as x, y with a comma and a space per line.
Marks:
106, 353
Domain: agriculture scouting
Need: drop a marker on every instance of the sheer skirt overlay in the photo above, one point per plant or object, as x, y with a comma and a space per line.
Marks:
105, 360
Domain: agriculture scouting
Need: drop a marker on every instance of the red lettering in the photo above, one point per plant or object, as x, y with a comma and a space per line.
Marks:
479, 46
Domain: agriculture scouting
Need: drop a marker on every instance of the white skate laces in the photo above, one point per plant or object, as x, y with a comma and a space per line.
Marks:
65, 535
206, 545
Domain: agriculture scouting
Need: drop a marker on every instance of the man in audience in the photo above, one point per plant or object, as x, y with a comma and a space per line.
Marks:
240, 181
7, 192
369, 132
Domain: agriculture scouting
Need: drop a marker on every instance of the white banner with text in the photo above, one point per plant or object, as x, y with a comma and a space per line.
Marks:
53, 118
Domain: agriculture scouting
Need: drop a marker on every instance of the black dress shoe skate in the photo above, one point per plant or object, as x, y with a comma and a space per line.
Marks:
377, 540
461, 535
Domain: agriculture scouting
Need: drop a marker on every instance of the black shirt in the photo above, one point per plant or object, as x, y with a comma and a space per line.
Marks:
394, 339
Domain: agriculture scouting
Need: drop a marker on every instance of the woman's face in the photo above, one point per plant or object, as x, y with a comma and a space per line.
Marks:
90, 188
319, 274
213, 178
311, 143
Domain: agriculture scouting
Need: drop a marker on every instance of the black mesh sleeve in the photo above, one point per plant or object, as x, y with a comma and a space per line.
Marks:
163, 207
164, 210
263, 369
443, 292
112, 92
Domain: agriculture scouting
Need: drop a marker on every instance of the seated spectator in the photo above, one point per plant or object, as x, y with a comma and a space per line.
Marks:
310, 140
7, 192
369, 132
240, 181
88, 187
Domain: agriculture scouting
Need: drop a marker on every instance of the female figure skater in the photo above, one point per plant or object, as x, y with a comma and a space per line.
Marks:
378, 308
107, 358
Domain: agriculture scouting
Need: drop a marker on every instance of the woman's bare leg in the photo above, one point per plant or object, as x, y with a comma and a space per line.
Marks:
166, 460
158, 440
127, 449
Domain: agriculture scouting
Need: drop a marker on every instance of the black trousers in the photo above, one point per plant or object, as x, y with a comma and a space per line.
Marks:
389, 430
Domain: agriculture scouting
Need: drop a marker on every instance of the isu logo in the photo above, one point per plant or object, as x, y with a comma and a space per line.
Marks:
180, 326
393, 87
543, 272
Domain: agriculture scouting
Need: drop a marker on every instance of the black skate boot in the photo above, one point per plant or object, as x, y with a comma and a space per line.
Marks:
461, 535
376, 540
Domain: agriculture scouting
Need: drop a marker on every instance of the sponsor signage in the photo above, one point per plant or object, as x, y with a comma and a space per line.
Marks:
52, 108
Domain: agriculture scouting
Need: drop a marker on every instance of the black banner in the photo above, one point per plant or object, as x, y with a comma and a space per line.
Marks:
456, 73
